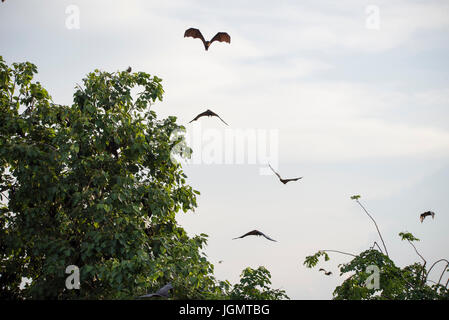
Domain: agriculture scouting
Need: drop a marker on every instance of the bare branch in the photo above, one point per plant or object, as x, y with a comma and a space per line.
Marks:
424, 265
444, 270
349, 254
375, 244
378, 231
4, 195
425, 262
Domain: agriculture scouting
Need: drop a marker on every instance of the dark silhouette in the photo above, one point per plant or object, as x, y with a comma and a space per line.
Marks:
220, 36
208, 113
284, 181
425, 214
162, 292
327, 273
128, 70
254, 233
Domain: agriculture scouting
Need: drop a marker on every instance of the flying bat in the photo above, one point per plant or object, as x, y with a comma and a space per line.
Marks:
425, 214
327, 273
208, 113
254, 233
284, 181
162, 292
220, 36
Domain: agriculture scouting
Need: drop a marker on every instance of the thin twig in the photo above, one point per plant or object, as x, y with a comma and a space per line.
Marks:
431, 281
444, 270
378, 231
442, 273
375, 244
349, 254
417, 252
424, 277
4, 195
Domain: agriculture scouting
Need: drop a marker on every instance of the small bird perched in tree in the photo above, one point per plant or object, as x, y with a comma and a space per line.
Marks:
208, 113
255, 233
220, 36
284, 181
327, 273
128, 70
162, 292
425, 214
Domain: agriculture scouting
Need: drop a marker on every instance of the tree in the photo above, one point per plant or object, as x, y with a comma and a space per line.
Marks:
395, 283
255, 285
93, 185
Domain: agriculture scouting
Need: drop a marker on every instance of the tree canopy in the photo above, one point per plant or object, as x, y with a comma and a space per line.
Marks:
92, 185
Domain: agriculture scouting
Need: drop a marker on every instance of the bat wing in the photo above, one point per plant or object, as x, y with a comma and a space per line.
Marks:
292, 179
425, 214
149, 295
251, 233
268, 237
246, 234
222, 37
202, 114
274, 172
221, 119
164, 290
194, 33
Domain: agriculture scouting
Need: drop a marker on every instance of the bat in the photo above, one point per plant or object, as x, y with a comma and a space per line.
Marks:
327, 273
208, 113
255, 233
220, 36
162, 292
284, 181
128, 70
422, 216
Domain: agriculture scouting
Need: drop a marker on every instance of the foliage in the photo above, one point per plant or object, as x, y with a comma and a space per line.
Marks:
395, 283
93, 185
407, 236
312, 261
255, 285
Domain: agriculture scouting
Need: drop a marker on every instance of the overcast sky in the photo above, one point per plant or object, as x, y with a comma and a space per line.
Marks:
352, 95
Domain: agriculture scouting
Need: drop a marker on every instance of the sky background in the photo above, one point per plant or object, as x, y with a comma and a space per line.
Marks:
357, 110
